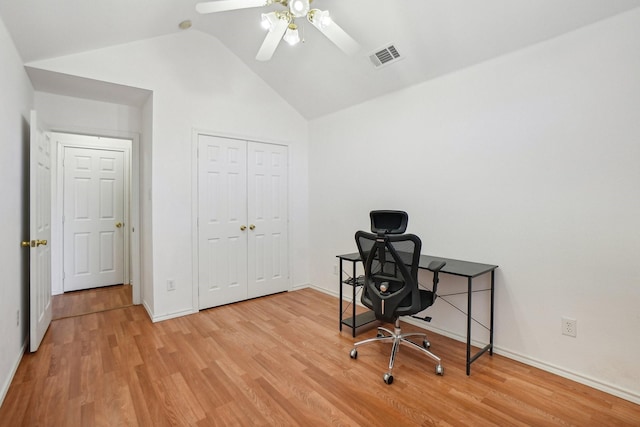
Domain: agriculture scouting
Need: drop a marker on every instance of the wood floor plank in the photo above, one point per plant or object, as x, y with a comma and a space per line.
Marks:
277, 360
83, 302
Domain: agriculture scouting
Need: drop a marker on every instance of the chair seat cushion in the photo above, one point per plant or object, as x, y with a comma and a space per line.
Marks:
405, 309
426, 301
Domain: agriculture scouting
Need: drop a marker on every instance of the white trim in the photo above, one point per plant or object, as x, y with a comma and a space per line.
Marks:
195, 286
148, 310
571, 375
305, 286
12, 373
239, 137
168, 316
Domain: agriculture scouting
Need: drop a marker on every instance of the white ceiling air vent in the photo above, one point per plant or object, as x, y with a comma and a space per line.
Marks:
385, 56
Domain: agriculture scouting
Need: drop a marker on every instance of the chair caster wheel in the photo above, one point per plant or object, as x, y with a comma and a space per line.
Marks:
354, 354
439, 370
426, 344
379, 335
388, 378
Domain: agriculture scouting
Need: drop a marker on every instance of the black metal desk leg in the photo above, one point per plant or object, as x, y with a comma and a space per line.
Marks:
491, 321
469, 326
353, 300
340, 287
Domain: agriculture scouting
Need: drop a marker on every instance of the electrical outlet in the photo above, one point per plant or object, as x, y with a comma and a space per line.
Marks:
335, 270
171, 285
18, 318
569, 327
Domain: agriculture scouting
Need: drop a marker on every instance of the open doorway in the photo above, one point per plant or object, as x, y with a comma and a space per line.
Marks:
95, 216
78, 303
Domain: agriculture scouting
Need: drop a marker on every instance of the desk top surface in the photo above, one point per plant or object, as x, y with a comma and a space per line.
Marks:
453, 266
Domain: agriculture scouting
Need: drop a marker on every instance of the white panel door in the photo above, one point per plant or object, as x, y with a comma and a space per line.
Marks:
40, 234
267, 207
222, 220
93, 218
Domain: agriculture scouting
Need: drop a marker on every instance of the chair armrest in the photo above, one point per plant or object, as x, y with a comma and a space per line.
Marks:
436, 266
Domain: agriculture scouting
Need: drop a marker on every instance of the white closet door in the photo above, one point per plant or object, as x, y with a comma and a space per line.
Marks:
267, 213
93, 218
222, 213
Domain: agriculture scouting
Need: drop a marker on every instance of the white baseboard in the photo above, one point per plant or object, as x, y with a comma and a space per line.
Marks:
301, 286
562, 372
548, 367
147, 309
324, 291
168, 316
611, 389
14, 369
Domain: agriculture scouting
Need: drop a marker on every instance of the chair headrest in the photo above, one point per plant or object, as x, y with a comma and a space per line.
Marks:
388, 222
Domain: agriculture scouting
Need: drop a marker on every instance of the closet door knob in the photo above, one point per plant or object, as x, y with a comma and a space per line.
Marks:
243, 227
252, 227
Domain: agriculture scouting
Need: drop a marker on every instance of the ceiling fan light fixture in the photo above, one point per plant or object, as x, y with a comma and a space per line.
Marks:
292, 36
299, 8
320, 18
281, 24
269, 21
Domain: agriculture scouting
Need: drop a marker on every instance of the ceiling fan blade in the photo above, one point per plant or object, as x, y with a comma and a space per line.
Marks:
225, 5
338, 36
270, 43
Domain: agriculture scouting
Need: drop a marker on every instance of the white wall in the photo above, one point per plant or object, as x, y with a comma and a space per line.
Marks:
530, 161
15, 103
71, 114
197, 84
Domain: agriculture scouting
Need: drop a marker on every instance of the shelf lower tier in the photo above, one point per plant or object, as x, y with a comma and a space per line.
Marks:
360, 320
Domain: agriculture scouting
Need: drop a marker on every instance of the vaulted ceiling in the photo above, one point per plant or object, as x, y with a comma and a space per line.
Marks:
433, 37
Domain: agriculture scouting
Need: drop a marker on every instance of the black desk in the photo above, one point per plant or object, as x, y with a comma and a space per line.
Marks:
454, 267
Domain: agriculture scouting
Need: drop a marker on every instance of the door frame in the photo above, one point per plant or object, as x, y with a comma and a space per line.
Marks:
194, 203
129, 145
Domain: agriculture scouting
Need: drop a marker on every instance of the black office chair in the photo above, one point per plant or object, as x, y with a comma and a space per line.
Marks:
391, 282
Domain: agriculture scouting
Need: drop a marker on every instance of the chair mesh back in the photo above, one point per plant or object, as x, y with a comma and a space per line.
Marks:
391, 274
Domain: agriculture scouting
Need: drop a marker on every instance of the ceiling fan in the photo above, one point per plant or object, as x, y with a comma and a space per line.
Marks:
281, 23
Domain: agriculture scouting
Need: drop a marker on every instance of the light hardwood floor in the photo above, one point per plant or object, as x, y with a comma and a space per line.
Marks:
91, 301
277, 360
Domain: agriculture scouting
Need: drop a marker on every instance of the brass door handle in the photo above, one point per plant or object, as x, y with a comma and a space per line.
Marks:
33, 243
243, 227
118, 224
252, 227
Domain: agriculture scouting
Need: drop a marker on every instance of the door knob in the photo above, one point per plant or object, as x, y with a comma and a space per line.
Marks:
243, 227
252, 227
118, 224
33, 243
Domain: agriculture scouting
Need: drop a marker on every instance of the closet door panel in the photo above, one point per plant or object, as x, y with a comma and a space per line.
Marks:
267, 213
222, 213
